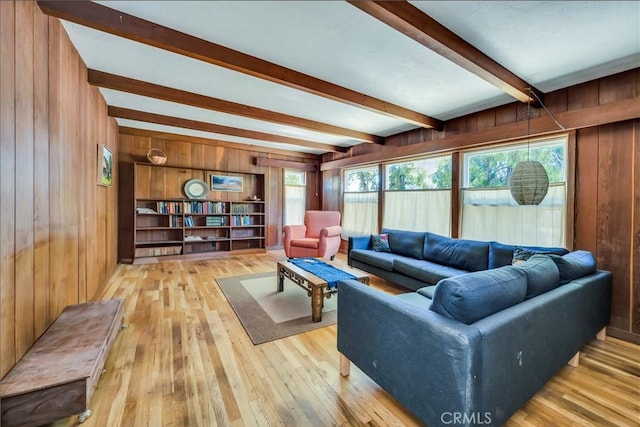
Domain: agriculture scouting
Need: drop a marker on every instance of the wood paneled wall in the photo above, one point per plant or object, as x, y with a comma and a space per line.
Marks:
607, 194
608, 213
206, 154
57, 226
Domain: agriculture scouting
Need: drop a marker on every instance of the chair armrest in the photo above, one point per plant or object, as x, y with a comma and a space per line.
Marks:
294, 231
332, 231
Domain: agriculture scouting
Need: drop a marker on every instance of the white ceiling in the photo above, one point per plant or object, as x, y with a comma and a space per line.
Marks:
549, 44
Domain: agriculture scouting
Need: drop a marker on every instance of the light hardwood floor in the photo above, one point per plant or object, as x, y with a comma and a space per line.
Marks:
184, 359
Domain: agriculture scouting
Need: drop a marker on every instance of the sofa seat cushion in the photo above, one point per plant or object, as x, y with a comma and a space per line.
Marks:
308, 242
427, 291
469, 255
383, 260
574, 265
471, 297
501, 254
542, 275
407, 243
425, 271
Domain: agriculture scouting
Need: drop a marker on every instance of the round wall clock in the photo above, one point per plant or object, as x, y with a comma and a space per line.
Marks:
196, 189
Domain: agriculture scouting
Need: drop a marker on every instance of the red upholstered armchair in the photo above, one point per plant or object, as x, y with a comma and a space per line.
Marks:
318, 237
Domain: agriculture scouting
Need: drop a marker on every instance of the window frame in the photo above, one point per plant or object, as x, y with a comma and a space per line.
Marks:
569, 175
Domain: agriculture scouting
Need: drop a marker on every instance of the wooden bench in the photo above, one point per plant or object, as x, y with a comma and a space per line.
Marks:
56, 377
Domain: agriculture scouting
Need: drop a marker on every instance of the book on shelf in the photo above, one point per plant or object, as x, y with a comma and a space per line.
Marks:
214, 221
188, 221
205, 207
169, 207
240, 208
239, 220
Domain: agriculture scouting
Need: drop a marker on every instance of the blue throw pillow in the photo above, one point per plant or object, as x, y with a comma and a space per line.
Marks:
380, 242
521, 255
473, 296
574, 265
501, 254
542, 274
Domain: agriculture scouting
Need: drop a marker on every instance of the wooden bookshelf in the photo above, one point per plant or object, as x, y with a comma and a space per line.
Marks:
155, 223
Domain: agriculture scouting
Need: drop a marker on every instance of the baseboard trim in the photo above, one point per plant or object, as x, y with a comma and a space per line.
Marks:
623, 335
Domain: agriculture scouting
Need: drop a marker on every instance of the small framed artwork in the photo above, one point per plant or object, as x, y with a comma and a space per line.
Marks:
105, 166
226, 183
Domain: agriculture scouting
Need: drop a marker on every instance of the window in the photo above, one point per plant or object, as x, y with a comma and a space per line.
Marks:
490, 213
418, 195
295, 197
360, 202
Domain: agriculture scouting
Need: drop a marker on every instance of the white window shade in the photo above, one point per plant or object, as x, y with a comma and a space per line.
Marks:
360, 214
422, 210
492, 214
294, 201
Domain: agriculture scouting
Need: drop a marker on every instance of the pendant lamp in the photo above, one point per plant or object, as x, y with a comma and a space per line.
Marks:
529, 182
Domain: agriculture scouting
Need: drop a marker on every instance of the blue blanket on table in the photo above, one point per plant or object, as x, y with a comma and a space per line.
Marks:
326, 272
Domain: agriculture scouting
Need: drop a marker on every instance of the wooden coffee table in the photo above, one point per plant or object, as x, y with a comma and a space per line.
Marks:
316, 288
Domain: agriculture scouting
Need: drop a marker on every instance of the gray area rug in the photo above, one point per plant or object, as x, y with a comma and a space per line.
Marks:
267, 314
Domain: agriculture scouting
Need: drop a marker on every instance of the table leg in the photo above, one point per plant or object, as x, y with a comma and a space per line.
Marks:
280, 281
316, 303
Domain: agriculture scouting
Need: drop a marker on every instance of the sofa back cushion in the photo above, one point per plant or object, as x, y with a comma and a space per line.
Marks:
501, 254
469, 255
407, 243
471, 297
542, 274
574, 265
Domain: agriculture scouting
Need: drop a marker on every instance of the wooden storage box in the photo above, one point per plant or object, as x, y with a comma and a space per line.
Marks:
56, 377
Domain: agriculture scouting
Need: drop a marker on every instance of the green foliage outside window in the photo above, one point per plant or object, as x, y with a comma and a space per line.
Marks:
362, 180
294, 178
492, 170
433, 173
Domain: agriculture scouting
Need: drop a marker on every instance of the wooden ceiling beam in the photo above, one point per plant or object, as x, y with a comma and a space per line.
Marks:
112, 21
287, 164
139, 87
417, 25
126, 113
180, 138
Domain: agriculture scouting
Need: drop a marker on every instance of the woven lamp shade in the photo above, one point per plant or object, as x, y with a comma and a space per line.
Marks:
529, 183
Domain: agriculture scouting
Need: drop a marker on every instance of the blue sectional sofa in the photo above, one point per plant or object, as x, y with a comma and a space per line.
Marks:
418, 259
472, 349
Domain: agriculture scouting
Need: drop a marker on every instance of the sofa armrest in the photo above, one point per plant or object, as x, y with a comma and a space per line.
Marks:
334, 230
357, 242
398, 344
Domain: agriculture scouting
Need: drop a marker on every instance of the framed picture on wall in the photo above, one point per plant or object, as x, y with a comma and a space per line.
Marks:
226, 183
105, 166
